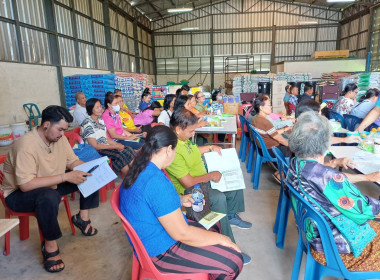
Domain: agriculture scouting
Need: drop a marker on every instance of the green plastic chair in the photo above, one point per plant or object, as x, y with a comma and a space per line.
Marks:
33, 113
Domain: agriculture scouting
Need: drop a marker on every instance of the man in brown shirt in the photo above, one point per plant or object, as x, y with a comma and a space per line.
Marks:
35, 179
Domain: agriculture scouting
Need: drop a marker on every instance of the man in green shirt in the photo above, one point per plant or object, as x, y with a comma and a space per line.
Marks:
188, 169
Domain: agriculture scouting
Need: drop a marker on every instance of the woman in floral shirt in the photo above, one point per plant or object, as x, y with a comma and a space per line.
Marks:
310, 139
346, 102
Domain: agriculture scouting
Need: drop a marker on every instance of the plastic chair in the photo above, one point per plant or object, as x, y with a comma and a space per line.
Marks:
351, 122
329, 102
33, 113
24, 217
371, 126
338, 117
303, 211
244, 140
251, 152
262, 155
142, 266
283, 205
73, 136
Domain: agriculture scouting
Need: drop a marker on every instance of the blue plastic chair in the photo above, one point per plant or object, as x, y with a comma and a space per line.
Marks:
262, 155
33, 113
303, 211
329, 101
351, 122
251, 152
338, 117
283, 205
244, 139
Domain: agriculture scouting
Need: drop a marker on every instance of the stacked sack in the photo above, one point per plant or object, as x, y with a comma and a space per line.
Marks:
91, 85
132, 86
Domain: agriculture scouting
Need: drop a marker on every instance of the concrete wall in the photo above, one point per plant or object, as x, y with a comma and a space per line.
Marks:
25, 83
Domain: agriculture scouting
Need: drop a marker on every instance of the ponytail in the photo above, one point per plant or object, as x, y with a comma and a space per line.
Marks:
159, 137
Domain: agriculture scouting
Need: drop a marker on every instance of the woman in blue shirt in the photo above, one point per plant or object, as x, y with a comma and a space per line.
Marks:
367, 103
146, 98
151, 204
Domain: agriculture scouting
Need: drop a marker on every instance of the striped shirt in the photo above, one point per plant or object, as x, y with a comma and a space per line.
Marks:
90, 129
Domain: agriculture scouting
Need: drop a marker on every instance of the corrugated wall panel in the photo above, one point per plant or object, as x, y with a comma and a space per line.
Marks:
66, 2
242, 37
258, 48
182, 51
101, 57
114, 40
97, 10
284, 35
6, 9
307, 34
63, 19
222, 38
365, 21
201, 38
31, 12
222, 50
354, 27
116, 60
326, 46
344, 44
345, 30
66, 51
131, 45
35, 45
8, 42
363, 40
149, 40
181, 39
327, 33
113, 19
123, 43
201, 51
122, 24
86, 55
305, 48
241, 49
82, 6
84, 28
284, 49
352, 42
99, 34
124, 63
164, 52
258, 36
163, 40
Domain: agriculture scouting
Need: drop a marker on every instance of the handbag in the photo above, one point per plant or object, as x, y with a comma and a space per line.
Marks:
357, 236
197, 216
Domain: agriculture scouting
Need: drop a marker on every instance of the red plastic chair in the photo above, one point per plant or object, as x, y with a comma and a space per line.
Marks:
142, 266
24, 217
73, 136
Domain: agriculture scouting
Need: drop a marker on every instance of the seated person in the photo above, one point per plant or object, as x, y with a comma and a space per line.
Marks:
165, 115
334, 193
366, 103
115, 130
147, 116
35, 179
286, 99
80, 112
150, 203
293, 99
123, 108
188, 169
346, 102
217, 102
200, 98
146, 98
184, 90
93, 132
126, 118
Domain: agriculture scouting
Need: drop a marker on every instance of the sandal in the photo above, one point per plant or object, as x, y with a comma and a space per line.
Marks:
48, 264
79, 223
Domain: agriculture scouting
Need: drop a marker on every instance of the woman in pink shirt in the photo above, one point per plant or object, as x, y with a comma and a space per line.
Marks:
147, 116
115, 130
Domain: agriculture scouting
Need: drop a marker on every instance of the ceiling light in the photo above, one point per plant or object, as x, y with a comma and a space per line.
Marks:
307, 22
180, 10
339, 1
189, 28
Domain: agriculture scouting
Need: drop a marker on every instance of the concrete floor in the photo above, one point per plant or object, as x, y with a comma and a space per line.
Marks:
108, 254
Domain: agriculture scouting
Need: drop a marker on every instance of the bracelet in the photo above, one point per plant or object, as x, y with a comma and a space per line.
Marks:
62, 178
210, 148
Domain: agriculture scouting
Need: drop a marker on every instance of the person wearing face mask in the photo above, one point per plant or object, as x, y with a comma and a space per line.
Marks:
115, 130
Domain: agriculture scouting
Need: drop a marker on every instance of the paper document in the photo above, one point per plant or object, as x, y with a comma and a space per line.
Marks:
101, 176
228, 164
211, 219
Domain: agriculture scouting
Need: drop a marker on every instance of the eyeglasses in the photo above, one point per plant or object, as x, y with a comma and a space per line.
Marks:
200, 96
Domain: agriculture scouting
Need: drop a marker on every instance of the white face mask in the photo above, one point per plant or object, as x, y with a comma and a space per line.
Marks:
116, 108
219, 98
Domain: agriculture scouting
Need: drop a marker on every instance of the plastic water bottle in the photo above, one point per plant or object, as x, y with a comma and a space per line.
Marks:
197, 196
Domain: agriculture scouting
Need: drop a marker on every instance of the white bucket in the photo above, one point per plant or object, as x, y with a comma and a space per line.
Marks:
6, 136
19, 129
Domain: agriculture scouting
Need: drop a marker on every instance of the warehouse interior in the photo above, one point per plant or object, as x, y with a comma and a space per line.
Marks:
207, 44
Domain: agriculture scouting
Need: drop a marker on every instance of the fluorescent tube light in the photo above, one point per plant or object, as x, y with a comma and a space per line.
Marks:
189, 28
339, 1
180, 10
307, 22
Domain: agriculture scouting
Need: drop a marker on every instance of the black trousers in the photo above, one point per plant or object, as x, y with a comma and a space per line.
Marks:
45, 202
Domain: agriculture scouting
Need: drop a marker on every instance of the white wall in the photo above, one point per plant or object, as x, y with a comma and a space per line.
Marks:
25, 83
69, 71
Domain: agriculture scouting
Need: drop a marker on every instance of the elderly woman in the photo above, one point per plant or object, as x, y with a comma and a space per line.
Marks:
93, 132
335, 194
150, 203
200, 98
346, 102
188, 169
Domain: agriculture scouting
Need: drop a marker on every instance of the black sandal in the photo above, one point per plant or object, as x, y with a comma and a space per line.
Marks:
79, 223
48, 264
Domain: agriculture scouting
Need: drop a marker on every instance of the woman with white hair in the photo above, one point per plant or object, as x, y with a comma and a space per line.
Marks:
333, 195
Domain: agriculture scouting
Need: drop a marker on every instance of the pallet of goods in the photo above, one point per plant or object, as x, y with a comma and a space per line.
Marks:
330, 54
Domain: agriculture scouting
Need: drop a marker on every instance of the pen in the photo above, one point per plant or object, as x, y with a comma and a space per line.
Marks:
92, 169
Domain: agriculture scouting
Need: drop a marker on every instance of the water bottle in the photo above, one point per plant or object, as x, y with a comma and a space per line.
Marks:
197, 196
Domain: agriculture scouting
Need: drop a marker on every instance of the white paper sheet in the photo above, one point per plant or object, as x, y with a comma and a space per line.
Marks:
101, 176
228, 164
